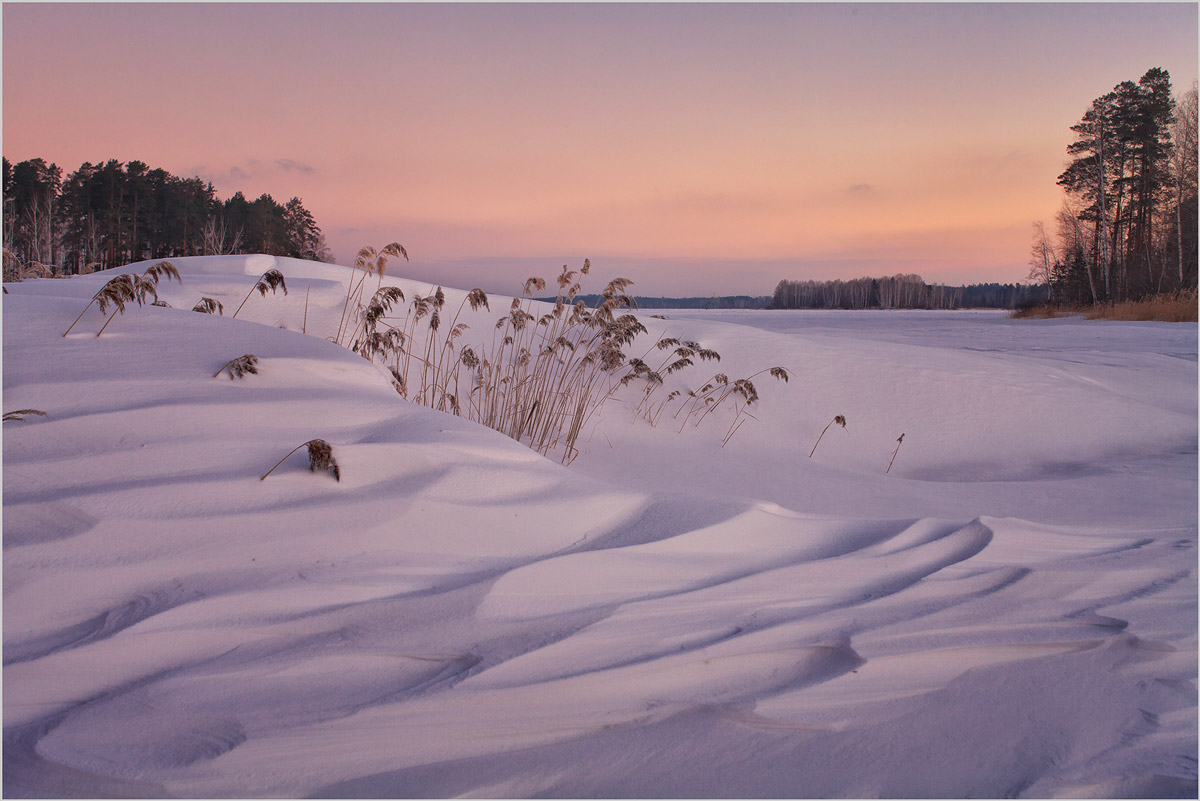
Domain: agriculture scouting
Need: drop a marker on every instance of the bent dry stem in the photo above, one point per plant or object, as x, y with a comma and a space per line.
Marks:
320, 457
898, 441
271, 279
840, 420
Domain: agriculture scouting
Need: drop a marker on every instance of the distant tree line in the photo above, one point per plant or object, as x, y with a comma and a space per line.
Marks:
901, 292
1002, 296
106, 215
895, 292
713, 302
1128, 224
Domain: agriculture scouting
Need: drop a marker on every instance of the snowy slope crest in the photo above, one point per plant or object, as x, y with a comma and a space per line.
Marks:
458, 615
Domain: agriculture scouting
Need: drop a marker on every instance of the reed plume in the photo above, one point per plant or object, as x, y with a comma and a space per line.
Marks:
549, 371
128, 288
156, 272
320, 457
841, 421
242, 365
371, 262
209, 306
270, 280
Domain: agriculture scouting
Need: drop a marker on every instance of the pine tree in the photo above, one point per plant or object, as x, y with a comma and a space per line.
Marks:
1120, 167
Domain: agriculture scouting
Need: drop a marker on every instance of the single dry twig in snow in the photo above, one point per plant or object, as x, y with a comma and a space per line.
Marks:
839, 420
304, 325
898, 441
320, 457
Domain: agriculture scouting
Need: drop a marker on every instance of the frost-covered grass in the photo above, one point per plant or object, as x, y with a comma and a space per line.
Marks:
1007, 608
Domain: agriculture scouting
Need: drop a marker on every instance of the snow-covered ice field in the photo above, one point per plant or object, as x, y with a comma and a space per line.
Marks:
1011, 611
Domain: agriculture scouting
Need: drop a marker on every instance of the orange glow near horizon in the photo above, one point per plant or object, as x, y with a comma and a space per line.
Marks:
828, 140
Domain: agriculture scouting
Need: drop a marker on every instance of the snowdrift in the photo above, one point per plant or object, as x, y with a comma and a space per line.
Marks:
1011, 610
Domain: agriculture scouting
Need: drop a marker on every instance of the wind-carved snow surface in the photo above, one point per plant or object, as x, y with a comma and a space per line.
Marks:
1010, 611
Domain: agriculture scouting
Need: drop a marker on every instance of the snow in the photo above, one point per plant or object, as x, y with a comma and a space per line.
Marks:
1010, 611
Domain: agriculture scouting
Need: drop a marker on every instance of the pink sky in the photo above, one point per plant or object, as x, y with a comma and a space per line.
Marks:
699, 149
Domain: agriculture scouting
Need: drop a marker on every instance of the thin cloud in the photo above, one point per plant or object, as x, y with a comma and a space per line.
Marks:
238, 174
860, 189
290, 165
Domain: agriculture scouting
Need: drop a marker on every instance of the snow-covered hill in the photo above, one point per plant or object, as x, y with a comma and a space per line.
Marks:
1011, 610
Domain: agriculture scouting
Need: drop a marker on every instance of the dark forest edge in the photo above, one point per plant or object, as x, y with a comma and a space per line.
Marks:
110, 214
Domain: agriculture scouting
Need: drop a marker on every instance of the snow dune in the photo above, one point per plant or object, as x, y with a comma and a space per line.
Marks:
1011, 611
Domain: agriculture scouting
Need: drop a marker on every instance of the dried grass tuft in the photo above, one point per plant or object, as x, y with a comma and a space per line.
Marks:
14, 270
1176, 307
543, 379
19, 415
209, 306
35, 269
242, 365
320, 457
1172, 307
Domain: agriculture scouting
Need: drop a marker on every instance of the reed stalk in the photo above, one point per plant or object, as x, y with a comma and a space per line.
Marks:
839, 420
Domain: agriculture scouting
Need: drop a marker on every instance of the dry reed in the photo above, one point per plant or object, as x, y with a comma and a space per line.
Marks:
270, 280
19, 415
840, 420
371, 262
14, 270
320, 457
1176, 307
128, 288
304, 325
209, 306
544, 377
1172, 307
899, 441
242, 365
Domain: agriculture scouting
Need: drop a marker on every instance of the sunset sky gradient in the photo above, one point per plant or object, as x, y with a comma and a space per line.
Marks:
695, 148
